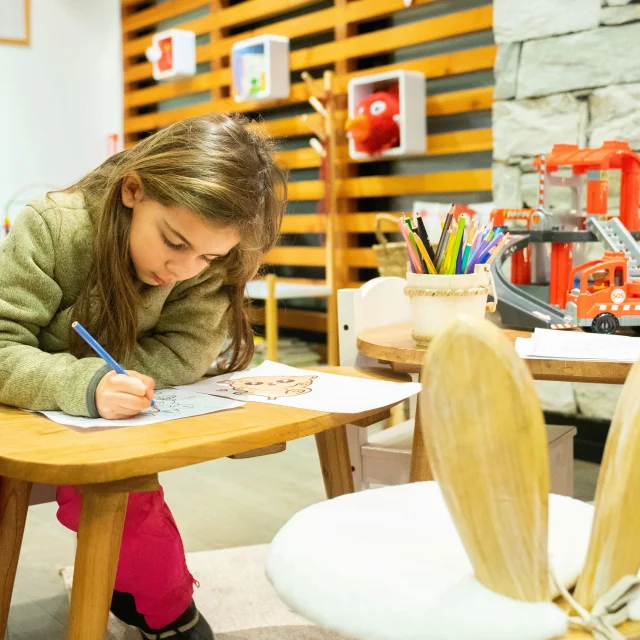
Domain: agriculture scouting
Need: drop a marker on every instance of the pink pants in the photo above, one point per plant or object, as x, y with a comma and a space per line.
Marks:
152, 567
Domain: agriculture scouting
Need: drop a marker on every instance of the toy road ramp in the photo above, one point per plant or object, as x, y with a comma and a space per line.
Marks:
517, 307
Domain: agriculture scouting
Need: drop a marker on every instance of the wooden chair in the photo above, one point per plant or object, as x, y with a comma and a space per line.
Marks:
108, 464
486, 551
270, 291
384, 457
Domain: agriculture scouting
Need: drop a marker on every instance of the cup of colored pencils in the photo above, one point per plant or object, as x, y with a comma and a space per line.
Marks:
451, 277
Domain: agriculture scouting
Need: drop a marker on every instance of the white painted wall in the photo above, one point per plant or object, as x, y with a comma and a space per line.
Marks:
60, 97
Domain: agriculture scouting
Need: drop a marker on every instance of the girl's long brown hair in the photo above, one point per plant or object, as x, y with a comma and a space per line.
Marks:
214, 166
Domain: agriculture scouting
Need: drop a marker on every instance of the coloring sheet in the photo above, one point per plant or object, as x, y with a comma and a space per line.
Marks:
173, 404
274, 383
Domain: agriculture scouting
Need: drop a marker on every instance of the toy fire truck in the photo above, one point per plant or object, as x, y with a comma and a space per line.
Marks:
606, 298
589, 217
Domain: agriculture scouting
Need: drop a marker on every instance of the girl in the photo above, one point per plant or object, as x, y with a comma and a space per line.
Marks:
151, 252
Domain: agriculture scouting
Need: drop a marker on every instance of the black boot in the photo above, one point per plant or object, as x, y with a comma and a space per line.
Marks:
189, 626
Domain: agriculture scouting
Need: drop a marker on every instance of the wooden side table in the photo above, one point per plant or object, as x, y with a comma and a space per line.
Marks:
395, 346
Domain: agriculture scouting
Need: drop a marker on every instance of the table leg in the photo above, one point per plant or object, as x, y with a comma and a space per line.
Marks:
397, 415
14, 502
335, 461
420, 469
271, 319
99, 538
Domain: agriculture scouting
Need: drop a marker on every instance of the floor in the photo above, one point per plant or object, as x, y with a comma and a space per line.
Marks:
219, 504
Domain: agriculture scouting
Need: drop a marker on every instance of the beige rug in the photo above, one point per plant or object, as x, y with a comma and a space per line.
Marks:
235, 597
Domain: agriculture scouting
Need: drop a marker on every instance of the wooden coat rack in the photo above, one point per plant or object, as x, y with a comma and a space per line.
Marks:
324, 142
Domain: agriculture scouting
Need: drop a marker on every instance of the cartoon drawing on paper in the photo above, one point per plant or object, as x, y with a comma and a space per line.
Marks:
273, 383
167, 401
271, 387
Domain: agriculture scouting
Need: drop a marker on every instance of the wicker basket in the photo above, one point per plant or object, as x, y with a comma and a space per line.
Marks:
392, 256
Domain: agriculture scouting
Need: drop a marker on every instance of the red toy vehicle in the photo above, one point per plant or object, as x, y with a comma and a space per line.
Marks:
606, 298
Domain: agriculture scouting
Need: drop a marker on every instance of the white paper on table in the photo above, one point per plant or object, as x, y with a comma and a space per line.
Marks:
173, 404
274, 383
578, 345
524, 347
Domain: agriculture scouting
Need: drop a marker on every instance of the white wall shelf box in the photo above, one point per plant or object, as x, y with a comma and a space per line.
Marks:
412, 92
260, 68
173, 54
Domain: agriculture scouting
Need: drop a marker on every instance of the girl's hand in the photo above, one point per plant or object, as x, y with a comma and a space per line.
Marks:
119, 396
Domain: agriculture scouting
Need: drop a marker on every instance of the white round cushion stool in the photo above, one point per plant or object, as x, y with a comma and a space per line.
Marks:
388, 564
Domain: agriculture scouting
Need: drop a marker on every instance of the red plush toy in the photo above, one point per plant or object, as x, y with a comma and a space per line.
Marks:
374, 128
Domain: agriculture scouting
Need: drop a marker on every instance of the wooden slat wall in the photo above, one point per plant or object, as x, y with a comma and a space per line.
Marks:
449, 41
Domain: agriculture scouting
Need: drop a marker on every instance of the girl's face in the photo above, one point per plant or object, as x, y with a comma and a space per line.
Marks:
171, 244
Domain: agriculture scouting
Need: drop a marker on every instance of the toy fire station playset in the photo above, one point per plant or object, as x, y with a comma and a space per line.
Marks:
600, 295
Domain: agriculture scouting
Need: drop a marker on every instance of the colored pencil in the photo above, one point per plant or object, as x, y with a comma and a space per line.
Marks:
412, 240
479, 242
414, 260
481, 245
430, 267
465, 258
442, 242
93, 343
496, 250
472, 231
479, 255
440, 255
424, 236
448, 252
494, 241
459, 243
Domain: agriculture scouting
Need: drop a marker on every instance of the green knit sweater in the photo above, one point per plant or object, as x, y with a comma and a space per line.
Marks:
43, 266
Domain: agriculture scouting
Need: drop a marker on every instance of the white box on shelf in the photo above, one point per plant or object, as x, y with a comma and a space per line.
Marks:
260, 68
412, 118
173, 54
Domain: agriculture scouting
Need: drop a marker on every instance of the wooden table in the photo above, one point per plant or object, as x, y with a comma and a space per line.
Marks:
108, 464
394, 345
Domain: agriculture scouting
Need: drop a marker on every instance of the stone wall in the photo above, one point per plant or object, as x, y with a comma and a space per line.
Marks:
566, 71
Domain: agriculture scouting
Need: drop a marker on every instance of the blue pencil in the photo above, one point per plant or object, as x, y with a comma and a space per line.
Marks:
93, 343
